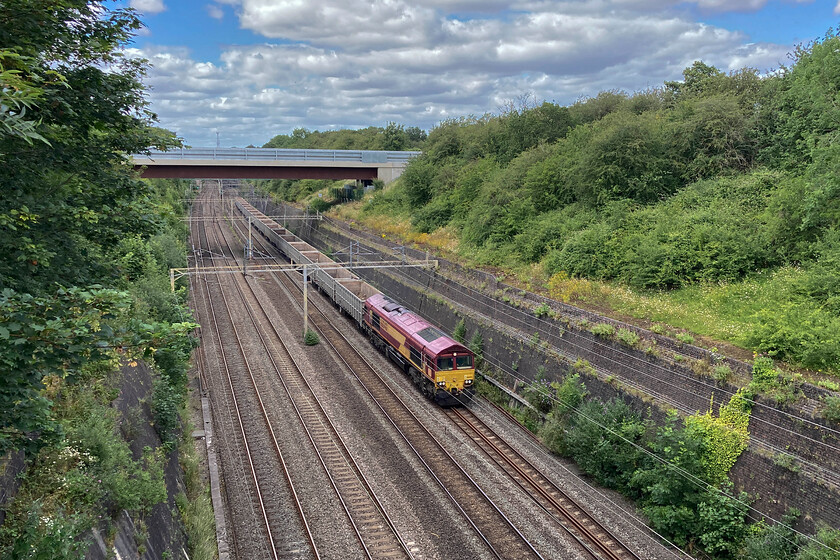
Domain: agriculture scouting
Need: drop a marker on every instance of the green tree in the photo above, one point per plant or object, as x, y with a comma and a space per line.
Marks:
71, 196
774, 542
73, 108
394, 138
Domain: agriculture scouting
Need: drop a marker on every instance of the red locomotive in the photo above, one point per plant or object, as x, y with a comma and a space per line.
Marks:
442, 367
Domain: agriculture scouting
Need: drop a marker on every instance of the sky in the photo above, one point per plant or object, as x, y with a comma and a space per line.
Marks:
251, 69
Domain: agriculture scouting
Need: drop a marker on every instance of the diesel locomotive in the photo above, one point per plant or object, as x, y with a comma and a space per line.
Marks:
441, 367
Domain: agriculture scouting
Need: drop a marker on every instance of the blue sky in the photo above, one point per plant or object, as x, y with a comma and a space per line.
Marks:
251, 69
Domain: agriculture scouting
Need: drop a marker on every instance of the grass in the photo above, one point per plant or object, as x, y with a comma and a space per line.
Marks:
443, 240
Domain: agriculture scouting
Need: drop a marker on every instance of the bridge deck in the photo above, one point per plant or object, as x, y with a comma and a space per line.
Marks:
269, 163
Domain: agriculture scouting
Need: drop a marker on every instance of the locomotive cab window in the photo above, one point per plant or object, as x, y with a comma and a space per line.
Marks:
374, 318
463, 362
445, 364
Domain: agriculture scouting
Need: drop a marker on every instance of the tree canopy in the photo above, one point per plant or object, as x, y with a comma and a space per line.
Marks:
72, 108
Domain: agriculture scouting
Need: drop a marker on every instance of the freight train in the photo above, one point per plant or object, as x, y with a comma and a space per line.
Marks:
441, 367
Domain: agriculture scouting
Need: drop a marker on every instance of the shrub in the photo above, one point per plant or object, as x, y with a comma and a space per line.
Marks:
800, 332
608, 455
477, 344
830, 385
604, 330
775, 542
825, 546
311, 338
460, 332
722, 373
786, 461
764, 373
319, 205
45, 537
583, 366
542, 310
628, 337
570, 394
165, 403
685, 338
831, 408
540, 394
723, 520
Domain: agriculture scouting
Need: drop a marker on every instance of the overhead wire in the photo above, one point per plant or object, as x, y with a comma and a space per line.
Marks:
795, 417
699, 482
413, 396
819, 468
687, 475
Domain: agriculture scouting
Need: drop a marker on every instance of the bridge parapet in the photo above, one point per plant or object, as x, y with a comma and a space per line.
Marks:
279, 154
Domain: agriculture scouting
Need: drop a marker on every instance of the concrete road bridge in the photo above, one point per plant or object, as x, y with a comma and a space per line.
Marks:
269, 163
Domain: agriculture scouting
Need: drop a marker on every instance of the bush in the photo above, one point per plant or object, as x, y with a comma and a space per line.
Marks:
799, 332
166, 402
542, 310
831, 408
460, 332
723, 520
311, 338
722, 373
600, 439
825, 546
685, 338
775, 542
764, 374
45, 537
604, 330
628, 337
477, 344
540, 394
569, 395
319, 205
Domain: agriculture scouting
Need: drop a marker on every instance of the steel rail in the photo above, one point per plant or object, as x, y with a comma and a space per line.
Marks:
525, 548
529, 550
584, 527
241, 425
371, 535
248, 449
264, 414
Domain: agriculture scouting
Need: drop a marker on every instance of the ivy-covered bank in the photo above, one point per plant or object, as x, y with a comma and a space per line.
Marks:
677, 471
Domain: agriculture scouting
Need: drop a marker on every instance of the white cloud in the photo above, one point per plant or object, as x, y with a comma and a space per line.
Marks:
215, 11
837, 9
148, 7
360, 63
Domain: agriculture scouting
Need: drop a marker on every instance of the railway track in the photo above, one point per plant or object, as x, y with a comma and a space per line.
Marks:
259, 455
595, 540
487, 519
374, 529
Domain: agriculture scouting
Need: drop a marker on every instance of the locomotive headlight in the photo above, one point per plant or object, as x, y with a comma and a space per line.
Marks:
468, 381
441, 383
